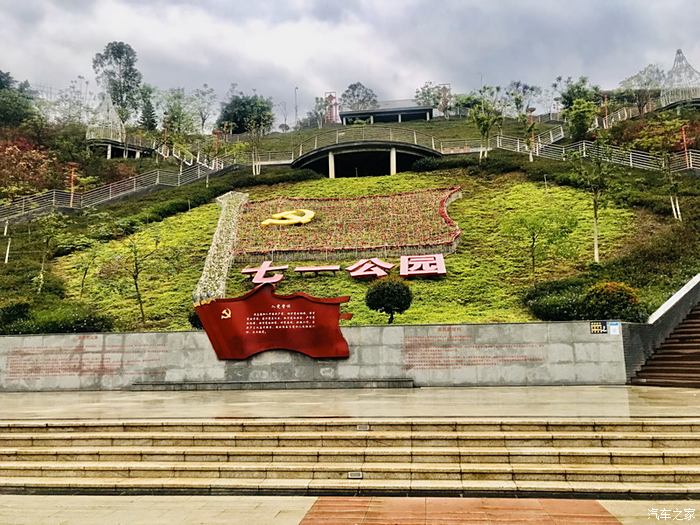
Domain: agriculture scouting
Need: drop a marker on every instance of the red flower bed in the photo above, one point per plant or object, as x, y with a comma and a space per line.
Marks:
391, 224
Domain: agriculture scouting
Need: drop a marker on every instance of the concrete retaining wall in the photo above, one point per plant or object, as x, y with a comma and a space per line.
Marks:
430, 355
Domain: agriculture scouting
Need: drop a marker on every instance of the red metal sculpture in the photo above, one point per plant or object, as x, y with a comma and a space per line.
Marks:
262, 320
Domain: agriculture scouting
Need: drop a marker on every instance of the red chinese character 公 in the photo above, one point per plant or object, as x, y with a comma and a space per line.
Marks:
423, 265
373, 267
259, 273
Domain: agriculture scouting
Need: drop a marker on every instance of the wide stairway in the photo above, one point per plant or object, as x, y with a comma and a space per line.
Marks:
677, 360
563, 457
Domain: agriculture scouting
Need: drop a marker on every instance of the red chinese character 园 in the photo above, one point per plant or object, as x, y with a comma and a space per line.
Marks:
374, 267
259, 273
423, 265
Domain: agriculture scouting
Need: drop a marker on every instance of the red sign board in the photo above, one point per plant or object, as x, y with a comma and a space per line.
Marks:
262, 320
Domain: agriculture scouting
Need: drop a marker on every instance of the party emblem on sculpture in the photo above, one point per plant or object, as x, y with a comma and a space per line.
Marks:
287, 218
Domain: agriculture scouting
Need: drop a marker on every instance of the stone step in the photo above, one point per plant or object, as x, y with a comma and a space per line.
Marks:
652, 372
351, 425
649, 438
378, 471
317, 487
638, 456
671, 382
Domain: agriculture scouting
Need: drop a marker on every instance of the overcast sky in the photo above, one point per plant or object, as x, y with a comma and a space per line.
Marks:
392, 46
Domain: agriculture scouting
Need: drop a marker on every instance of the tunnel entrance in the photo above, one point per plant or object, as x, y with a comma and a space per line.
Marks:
364, 163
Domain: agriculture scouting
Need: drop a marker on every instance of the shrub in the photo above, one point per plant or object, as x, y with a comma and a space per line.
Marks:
576, 299
556, 300
194, 320
612, 300
390, 295
61, 318
13, 309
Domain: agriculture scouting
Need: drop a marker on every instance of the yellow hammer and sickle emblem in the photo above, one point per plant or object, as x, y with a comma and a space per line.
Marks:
226, 313
286, 218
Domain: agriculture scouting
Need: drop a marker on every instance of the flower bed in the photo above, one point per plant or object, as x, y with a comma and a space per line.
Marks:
399, 224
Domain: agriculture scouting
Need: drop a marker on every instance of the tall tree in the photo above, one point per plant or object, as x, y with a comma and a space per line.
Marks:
177, 114
6, 80
487, 114
358, 97
116, 71
521, 96
318, 114
203, 101
595, 174
242, 112
427, 95
147, 119
570, 90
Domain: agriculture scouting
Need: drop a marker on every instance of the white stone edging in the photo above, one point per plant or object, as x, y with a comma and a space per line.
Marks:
675, 298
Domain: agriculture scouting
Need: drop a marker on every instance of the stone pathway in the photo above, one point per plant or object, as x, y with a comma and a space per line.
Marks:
273, 510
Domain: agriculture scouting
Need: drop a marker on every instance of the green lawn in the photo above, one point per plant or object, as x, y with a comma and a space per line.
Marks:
486, 276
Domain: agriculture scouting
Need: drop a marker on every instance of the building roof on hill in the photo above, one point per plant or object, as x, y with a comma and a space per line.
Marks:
389, 106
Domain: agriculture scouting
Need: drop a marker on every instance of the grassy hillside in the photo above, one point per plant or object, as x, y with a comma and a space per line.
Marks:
486, 277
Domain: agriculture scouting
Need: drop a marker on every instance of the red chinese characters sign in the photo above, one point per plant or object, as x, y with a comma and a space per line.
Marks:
262, 320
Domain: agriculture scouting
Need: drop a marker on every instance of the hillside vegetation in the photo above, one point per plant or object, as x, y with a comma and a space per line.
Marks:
486, 277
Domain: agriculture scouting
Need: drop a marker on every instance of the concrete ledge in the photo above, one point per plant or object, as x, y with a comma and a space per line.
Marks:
273, 385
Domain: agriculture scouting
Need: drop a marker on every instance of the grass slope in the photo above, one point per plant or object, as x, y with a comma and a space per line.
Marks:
485, 277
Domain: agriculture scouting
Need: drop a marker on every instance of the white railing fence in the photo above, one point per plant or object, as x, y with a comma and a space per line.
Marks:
48, 201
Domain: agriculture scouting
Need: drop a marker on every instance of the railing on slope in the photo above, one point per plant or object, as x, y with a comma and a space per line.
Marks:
368, 133
680, 161
50, 200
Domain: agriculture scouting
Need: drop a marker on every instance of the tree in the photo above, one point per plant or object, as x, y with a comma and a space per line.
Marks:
284, 128
580, 117
428, 95
6, 80
521, 96
116, 72
147, 119
203, 101
542, 230
570, 90
24, 169
357, 97
244, 111
71, 104
132, 264
15, 107
595, 173
487, 114
318, 113
466, 102
645, 85
177, 114
390, 295
49, 227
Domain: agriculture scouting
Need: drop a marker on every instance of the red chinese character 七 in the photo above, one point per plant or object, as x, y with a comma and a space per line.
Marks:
365, 268
423, 265
259, 276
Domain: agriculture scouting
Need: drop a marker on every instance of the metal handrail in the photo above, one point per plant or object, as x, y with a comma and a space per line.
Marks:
45, 202
367, 133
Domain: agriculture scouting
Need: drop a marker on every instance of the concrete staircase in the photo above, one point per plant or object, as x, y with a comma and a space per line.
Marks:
617, 458
677, 360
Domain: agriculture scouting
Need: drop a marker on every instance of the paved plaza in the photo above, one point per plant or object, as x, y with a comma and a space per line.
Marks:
482, 402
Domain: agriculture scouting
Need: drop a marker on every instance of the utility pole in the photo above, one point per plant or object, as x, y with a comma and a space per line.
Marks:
296, 108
